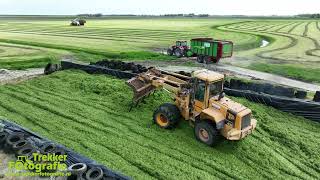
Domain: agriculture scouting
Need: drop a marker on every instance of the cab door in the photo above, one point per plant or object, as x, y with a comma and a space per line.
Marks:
200, 94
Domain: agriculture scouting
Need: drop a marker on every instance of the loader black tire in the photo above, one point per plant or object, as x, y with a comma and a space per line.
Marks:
167, 116
169, 52
178, 53
207, 133
200, 59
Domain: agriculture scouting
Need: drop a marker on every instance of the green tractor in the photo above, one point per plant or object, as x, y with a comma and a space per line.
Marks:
207, 50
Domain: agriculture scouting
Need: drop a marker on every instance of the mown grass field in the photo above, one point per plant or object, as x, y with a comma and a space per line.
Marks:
129, 38
294, 44
293, 52
89, 113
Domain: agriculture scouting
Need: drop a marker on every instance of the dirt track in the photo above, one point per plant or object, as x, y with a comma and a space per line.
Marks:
231, 70
15, 76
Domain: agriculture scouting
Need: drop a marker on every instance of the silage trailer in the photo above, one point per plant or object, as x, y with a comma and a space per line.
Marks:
206, 50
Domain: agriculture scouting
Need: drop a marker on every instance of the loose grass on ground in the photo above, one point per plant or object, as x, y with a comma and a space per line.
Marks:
90, 114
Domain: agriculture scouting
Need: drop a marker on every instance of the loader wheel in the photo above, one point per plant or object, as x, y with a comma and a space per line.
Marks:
178, 53
206, 133
169, 52
200, 59
167, 116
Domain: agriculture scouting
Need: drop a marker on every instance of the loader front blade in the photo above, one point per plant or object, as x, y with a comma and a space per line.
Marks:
140, 88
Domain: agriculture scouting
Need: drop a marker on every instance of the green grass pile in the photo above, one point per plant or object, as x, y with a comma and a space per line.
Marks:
90, 114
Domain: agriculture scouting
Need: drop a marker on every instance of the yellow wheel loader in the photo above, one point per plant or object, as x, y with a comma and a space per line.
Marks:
198, 99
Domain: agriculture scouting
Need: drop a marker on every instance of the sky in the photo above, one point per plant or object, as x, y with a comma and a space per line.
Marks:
156, 7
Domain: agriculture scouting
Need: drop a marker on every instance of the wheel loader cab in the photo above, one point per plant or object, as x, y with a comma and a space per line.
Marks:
208, 84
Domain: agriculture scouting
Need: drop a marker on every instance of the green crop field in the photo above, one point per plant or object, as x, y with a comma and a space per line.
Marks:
89, 113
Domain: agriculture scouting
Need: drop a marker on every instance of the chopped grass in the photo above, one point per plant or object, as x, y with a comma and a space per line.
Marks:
90, 114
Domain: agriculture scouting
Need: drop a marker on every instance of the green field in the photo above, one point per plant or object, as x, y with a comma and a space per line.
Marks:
129, 38
293, 52
89, 113
294, 43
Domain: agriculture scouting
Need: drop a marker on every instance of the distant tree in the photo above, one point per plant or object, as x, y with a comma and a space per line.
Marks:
314, 16
203, 15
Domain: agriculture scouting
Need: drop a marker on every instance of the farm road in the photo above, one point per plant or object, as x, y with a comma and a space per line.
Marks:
14, 76
270, 77
236, 71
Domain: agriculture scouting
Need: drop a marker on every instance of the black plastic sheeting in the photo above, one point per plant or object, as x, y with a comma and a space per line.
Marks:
72, 157
93, 69
266, 88
307, 109
120, 65
317, 97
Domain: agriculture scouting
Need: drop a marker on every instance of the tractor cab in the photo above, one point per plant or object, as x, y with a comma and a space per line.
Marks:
181, 43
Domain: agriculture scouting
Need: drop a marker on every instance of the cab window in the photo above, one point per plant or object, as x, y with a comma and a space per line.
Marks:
216, 88
200, 91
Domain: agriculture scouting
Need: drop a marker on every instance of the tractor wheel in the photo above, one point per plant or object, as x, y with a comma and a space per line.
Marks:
206, 132
169, 52
167, 116
207, 60
200, 59
215, 61
178, 53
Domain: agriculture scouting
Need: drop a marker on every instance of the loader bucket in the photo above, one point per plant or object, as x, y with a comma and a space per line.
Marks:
140, 88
